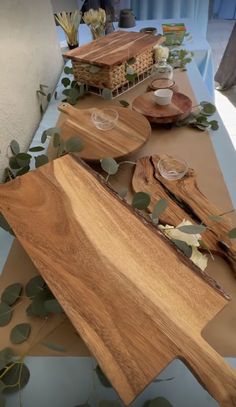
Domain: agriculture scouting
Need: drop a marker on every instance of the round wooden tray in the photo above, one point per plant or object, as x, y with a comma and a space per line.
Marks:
179, 108
129, 134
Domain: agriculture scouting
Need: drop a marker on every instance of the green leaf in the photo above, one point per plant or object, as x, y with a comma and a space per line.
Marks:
94, 69
5, 314
53, 306
73, 96
131, 61
55, 95
159, 208
141, 200
12, 293
159, 402
5, 225
23, 171
102, 378
44, 136
109, 165
20, 333
107, 94
41, 160
13, 163
65, 82
200, 127
232, 233
74, 144
208, 108
131, 77
19, 372
56, 140
192, 229
68, 70
124, 103
35, 286
23, 159
15, 148
216, 218
35, 149
214, 125
53, 346
6, 356
49, 96
183, 246
37, 307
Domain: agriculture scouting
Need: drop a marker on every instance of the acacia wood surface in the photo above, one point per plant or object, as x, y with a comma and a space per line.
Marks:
130, 133
114, 48
179, 108
134, 299
185, 201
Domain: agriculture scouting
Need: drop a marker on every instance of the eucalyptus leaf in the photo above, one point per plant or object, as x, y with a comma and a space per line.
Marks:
23, 171
124, 103
216, 218
131, 78
5, 314
107, 94
6, 356
159, 208
12, 293
66, 92
23, 159
131, 61
183, 246
214, 125
109, 165
16, 378
68, 70
53, 306
65, 82
208, 108
102, 377
94, 69
5, 225
56, 140
35, 286
141, 200
37, 306
192, 229
200, 127
41, 160
15, 148
20, 333
74, 144
232, 233
36, 149
13, 163
109, 403
54, 346
44, 136
159, 402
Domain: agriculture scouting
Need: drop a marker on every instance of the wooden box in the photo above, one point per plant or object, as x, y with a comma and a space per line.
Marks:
103, 62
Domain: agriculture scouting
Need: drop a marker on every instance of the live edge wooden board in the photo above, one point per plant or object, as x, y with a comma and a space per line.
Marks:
135, 300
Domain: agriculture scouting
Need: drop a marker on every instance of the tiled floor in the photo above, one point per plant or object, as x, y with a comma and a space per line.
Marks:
218, 35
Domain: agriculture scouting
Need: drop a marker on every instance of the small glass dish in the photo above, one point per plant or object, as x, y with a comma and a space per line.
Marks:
172, 168
104, 119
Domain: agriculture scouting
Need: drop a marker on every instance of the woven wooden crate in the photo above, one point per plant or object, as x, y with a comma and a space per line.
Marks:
103, 62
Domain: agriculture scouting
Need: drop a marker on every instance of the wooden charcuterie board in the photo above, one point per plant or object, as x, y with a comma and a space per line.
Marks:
179, 108
115, 48
130, 133
126, 289
185, 201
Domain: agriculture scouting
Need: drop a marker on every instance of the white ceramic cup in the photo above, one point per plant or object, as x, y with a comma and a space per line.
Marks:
163, 96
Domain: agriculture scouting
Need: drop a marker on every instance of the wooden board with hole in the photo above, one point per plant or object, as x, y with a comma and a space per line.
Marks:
130, 133
127, 290
185, 201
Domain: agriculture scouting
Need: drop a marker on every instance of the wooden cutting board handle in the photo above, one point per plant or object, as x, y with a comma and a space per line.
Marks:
215, 375
70, 110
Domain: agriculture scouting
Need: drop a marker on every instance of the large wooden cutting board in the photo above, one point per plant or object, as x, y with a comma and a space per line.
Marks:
135, 300
130, 133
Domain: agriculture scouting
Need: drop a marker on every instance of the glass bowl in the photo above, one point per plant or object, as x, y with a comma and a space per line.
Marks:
172, 168
104, 119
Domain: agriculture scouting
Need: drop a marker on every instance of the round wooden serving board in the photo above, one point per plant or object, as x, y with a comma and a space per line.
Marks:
179, 108
130, 133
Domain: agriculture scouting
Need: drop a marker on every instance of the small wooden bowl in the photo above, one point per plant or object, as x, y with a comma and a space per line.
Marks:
162, 83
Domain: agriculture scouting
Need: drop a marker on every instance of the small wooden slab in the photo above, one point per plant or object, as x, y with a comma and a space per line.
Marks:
115, 48
136, 301
185, 201
178, 109
129, 134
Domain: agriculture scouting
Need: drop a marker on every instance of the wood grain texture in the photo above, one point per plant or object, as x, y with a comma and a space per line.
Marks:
185, 201
127, 291
179, 108
163, 83
130, 133
114, 49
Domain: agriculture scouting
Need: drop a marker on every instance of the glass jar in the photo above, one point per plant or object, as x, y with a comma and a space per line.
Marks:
162, 70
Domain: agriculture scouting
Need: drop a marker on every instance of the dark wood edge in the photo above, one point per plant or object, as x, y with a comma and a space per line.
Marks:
202, 274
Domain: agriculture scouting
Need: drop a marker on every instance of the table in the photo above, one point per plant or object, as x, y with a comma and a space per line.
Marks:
197, 44
67, 381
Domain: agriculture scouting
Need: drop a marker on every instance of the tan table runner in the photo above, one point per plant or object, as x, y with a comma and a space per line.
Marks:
196, 148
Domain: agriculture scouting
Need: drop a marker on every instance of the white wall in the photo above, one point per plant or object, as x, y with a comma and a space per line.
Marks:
29, 55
